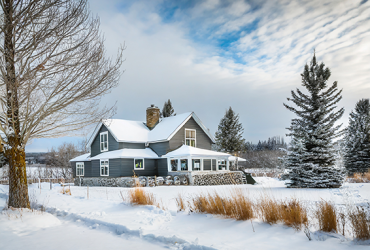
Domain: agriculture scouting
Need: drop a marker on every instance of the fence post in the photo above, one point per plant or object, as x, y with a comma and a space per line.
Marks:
51, 185
87, 192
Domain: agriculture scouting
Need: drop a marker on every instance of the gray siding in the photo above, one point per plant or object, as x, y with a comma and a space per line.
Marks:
131, 145
202, 139
124, 167
95, 168
128, 168
95, 145
160, 148
162, 167
73, 165
87, 169
115, 168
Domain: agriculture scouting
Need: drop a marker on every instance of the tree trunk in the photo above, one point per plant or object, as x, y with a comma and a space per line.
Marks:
18, 188
14, 150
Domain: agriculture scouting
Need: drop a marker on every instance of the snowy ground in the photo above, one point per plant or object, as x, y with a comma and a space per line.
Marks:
103, 221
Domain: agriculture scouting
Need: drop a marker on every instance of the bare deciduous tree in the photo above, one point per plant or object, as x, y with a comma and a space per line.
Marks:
53, 73
60, 158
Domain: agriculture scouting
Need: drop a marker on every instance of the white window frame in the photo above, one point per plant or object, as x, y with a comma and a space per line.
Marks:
102, 142
143, 164
78, 165
101, 160
195, 137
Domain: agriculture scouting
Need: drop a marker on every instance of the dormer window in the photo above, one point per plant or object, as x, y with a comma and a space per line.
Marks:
190, 137
104, 141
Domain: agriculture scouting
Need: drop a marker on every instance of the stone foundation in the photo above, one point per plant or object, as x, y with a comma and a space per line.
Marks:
193, 178
105, 182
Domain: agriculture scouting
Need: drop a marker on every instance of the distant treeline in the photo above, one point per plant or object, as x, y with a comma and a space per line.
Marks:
272, 143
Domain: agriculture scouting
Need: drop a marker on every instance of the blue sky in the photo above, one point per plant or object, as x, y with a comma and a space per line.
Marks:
208, 55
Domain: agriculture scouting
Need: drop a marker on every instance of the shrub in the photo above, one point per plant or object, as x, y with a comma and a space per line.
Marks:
180, 203
327, 217
360, 223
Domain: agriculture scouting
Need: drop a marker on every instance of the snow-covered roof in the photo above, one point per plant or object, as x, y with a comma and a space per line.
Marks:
84, 157
137, 131
125, 130
233, 158
127, 153
185, 151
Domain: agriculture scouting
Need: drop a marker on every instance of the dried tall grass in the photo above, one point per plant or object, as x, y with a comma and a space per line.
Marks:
66, 191
327, 216
294, 214
270, 209
360, 177
367, 176
237, 206
181, 206
360, 223
138, 196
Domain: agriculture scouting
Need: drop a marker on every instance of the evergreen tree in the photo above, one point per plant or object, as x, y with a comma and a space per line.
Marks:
311, 159
229, 135
167, 110
357, 139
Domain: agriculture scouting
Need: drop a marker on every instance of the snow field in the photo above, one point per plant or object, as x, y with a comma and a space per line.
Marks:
104, 220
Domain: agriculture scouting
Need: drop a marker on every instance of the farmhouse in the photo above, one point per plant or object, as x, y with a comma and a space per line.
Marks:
177, 145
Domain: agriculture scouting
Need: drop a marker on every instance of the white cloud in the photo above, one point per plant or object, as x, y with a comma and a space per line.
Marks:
168, 58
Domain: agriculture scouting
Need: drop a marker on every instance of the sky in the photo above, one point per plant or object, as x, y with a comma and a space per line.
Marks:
209, 55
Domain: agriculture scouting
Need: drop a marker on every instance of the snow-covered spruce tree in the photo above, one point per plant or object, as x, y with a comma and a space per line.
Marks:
357, 139
311, 158
229, 136
167, 110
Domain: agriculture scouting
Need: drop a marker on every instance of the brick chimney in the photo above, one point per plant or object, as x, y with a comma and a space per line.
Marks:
152, 116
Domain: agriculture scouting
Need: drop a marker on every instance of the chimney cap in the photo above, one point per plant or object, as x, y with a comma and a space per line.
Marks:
152, 105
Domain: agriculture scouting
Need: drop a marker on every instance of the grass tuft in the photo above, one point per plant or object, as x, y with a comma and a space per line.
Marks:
327, 216
270, 209
138, 196
294, 214
360, 223
66, 191
181, 206
237, 206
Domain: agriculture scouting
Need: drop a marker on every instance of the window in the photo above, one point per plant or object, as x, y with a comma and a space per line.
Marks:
190, 137
104, 141
139, 164
184, 165
174, 165
196, 164
221, 165
80, 169
104, 168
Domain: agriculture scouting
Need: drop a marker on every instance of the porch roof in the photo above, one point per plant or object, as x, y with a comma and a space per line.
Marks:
84, 157
186, 151
233, 158
127, 153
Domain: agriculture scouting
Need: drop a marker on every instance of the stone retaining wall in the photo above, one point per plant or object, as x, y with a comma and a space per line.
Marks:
217, 178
